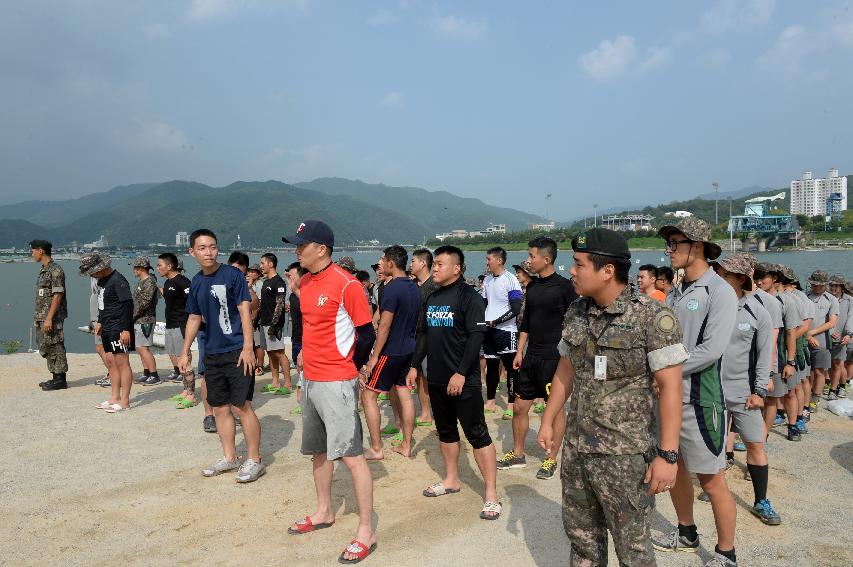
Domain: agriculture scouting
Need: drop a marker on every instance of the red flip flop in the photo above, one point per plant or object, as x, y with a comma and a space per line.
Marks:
306, 525
358, 549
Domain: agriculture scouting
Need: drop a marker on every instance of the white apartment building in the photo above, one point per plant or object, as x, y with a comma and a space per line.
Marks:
182, 240
809, 195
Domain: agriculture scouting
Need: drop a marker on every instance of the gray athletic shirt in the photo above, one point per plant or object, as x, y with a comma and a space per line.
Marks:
774, 308
707, 310
844, 324
825, 306
746, 362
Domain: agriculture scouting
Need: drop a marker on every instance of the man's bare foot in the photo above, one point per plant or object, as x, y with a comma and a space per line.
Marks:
372, 455
316, 519
489, 407
363, 536
402, 449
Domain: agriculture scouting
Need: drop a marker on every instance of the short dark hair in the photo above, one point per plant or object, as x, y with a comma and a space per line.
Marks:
170, 259
666, 273
452, 251
545, 245
239, 258
298, 267
398, 255
45, 247
201, 232
497, 251
622, 266
272, 258
362, 276
649, 268
425, 255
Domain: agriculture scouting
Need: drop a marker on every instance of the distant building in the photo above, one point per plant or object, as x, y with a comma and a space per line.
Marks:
182, 240
678, 214
541, 227
626, 222
100, 243
461, 233
809, 195
495, 229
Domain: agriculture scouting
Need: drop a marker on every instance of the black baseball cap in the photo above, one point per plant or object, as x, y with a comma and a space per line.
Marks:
602, 241
312, 231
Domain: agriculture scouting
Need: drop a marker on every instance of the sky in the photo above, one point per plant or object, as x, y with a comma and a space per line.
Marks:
598, 103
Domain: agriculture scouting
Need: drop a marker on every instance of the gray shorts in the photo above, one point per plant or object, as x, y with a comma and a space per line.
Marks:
269, 343
840, 352
330, 420
780, 387
794, 380
803, 375
821, 358
139, 337
748, 422
703, 438
174, 341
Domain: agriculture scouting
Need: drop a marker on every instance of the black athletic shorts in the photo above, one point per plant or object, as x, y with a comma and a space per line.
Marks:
390, 371
226, 382
466, 409
534, 378
499, 341
113, 345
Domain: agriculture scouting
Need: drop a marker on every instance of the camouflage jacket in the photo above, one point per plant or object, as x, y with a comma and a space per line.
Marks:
145, 297
51, 279
614, 413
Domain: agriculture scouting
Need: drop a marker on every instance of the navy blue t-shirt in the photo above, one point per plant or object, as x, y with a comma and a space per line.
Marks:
215, 297
402, 297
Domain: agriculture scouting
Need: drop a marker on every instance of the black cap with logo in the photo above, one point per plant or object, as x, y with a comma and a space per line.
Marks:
602, 241
312, 231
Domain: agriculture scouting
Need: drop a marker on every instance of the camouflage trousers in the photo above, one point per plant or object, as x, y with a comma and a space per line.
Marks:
52, 347
601, 493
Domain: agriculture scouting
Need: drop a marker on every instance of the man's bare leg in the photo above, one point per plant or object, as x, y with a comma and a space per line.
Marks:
251, 430
723, 505
284, 364
521, 425
362, 480
486, 462
450, 456
407, 419
226, 428
274, 364
423, 396
124, 379
103, 354
148, 362
323, 469
373, 417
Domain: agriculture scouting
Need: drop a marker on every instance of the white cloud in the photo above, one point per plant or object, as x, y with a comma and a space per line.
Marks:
726, 15
617, 58
382, 18
460, 28
788, 51
392, 99
156, 136
156, 31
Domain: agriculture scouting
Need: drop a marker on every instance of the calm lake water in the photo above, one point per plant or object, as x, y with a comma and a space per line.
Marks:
17, 282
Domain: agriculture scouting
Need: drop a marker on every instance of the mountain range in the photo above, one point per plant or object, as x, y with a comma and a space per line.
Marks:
260, 212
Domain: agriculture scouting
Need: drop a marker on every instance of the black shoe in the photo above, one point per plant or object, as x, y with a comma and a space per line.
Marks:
45, 383
140, 379
793, 434
152, 381
209, 424
58, 383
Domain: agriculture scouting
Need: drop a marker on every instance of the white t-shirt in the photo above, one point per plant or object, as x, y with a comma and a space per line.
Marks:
498, 291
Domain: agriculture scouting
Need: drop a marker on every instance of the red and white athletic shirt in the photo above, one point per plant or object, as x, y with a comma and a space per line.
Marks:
333, 304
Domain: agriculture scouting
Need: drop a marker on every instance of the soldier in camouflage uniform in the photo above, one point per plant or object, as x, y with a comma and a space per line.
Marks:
145, 297
51, 309
617, 344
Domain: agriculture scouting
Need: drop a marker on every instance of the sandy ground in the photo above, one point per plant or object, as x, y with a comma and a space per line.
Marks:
82, 487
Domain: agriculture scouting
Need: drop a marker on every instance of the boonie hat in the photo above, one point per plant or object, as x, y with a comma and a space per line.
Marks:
524, 267
603, 242
347, 263
141, 262
694, 229
94, 262
737, 264
837, 279
312, 231
255, 268
818, 277
787, 273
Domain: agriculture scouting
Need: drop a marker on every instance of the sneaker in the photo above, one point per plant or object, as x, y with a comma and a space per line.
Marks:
546, 471
209, 424
746, 475
739, 445
237, 421
511, 461
729, 463
825, 389
812, 407
674, 542
807, 416
802, 427
842, 391
832, 396
250, 471
140, 379
103, 382
720, 560
539, 408
152, 381
507, 416
765, 512
221, 466
703, 497
793, 434
174, 377
778, 420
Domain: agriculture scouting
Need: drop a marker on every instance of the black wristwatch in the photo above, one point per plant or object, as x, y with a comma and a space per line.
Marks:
670, 457
792, 363
760, 392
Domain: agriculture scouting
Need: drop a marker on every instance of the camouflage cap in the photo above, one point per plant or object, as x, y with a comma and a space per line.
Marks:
737, 264
696, 230
848, 287
765, 268
753, 261
818, 277
787, 273
94, 262
347, 263
255, 268
525, 267
141, 262
837, 279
